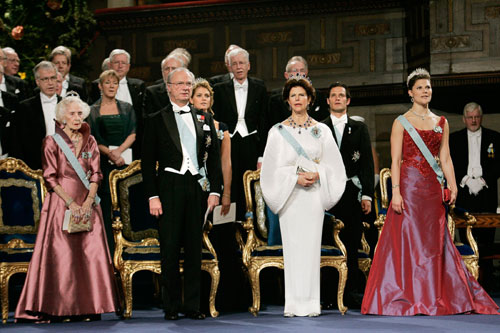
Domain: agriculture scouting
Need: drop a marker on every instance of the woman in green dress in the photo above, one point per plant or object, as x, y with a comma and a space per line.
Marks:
113, 125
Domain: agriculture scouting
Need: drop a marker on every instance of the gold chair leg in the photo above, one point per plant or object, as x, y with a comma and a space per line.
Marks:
215, 275
253, 274
127, 292
340, 293
4, 286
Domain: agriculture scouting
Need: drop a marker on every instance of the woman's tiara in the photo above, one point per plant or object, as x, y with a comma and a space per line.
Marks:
419, 72
297, 76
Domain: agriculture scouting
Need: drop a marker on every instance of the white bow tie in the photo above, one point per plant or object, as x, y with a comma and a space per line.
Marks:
183, 109
123, 81
240, 86
341, 120
476, 134
52, 99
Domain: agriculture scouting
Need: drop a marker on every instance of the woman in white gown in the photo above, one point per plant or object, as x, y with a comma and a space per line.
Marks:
302, 176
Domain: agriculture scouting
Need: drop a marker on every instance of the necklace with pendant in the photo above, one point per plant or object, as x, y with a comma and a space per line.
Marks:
420, 116
305, 125
76, 141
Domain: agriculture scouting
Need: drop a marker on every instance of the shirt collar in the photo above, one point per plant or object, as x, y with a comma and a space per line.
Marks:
178, 108
124, 80
475, 134
46, 99
244, 84
339, 120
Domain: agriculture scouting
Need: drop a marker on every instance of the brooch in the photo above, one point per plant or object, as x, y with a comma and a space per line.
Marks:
355, 156
220, 134
316, 132
316, 160
206, 127
491, 151
89, 173
201, 118
86, 155
208, 141
204, 183
438, 129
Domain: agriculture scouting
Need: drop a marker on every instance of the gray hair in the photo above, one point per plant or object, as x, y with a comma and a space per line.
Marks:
105, 64
9, 50
62, 107
116, 52
229, 49
236, 52
174, 56
469, 107
180, 69
43, 65
183, 52
61, 50
296, 59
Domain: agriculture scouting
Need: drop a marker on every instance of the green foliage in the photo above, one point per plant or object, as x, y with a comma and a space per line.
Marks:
47, 24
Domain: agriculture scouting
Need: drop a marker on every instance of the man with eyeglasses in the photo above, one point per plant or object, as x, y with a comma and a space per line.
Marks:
477, 169
12, 84
61, 57
35, 119
12, 62
183, 142
130, 90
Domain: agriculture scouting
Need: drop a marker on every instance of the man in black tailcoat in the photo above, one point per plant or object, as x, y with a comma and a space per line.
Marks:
242, 103
180, 138
477, 169
353, 140
35, 117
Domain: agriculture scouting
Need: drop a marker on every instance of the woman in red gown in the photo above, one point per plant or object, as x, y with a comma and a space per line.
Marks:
70, 276
416, 268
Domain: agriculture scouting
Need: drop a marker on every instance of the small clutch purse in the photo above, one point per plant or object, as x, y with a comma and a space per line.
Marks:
73, 224
446, 195
305, 165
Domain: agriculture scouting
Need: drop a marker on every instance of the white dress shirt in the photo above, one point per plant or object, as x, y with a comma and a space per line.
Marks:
339, 124
187, 164
123, 94
3, 86
1, 100
49, 112
65, 85
241, 96
474, 177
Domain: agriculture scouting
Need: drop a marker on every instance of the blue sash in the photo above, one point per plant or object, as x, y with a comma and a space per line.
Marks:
291, 140
74, 162
423, 148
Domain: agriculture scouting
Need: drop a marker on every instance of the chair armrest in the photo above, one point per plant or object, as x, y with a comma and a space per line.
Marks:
206, 240
337, 226
365, 247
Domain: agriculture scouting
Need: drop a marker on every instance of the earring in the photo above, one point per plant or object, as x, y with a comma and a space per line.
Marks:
64, 122
411, 99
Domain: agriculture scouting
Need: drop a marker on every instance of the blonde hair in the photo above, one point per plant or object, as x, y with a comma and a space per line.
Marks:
108, 73
203, 83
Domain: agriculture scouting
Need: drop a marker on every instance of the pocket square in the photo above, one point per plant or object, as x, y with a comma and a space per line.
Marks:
17, 91
8, 124
206, 127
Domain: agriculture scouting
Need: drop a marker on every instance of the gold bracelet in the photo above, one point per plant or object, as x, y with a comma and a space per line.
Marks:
394, 186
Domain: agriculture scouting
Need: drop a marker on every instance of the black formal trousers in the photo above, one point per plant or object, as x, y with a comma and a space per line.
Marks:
348, 210
180, 225
244, 156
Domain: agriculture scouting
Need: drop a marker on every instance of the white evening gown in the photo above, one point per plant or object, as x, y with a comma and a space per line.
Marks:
300, 209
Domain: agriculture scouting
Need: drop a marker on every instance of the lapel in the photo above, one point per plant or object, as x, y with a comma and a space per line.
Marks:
346, 136
250, 96
37, 107
485, 142
171, 125
229, 87
133, 92
198, 125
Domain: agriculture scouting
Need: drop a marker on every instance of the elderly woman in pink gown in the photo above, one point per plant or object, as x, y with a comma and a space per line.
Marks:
70, 276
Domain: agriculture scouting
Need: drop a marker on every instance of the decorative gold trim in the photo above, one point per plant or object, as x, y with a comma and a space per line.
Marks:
7, 269
385, 174
254, 265
128, 268
26, 229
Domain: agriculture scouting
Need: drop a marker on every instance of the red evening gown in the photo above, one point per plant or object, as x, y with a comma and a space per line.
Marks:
69, 274
417, 268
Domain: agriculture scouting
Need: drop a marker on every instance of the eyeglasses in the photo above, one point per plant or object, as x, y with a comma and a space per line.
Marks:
48, 78
473, 117
179, 84
119, 63
13, 60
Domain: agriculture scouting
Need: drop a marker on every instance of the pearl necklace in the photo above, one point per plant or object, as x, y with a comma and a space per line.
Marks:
420, 116
306, 124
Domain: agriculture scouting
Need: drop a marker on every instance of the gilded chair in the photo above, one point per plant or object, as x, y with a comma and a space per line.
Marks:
22, 192
137, 247
257, 254
469, 253
364, 260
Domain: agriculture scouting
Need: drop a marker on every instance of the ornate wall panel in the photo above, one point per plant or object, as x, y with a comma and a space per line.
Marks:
464, 36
